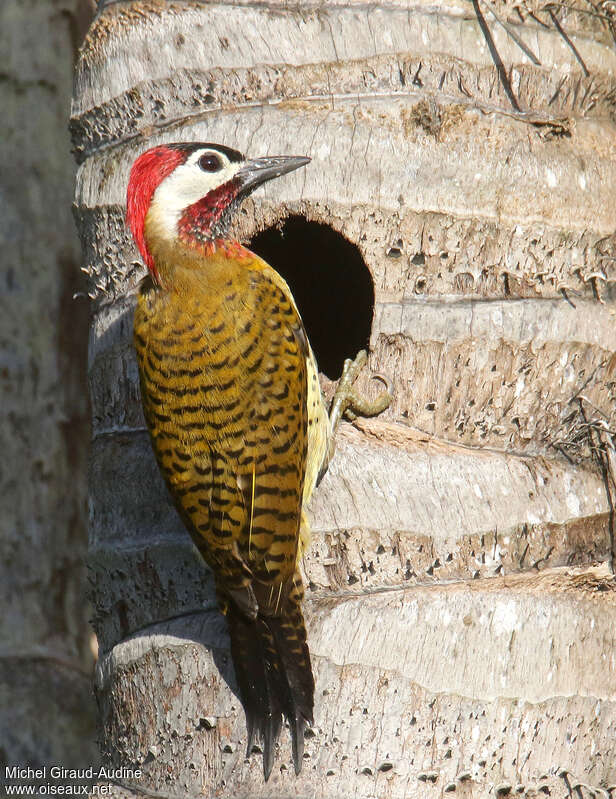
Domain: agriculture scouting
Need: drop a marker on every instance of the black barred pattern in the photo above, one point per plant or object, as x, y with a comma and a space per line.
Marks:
224, 365
217, 377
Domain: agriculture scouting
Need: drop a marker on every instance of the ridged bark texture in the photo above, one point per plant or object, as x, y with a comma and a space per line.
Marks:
460, 604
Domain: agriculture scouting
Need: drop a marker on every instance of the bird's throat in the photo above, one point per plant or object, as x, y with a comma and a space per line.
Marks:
209, 219
201, 235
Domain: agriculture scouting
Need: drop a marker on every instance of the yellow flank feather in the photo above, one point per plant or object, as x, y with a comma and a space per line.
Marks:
252, 507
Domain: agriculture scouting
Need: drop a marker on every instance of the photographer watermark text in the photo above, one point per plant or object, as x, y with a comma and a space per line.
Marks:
61, 781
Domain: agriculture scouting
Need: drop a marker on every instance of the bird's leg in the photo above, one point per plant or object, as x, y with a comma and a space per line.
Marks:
348, 403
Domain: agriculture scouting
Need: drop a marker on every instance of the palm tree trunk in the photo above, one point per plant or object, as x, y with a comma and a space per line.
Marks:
460, 602
47, 712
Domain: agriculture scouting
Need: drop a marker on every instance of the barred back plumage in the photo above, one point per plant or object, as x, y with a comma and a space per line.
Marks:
237, 422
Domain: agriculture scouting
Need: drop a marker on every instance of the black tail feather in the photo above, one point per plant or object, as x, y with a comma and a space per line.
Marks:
272, 666
298, 698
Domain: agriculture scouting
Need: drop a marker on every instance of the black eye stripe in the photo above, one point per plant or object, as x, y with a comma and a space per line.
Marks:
210, 162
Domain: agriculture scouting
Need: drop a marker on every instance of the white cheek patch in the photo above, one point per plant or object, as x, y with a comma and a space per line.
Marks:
186, 185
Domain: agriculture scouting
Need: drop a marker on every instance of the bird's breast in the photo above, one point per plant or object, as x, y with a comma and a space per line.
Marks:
218, 362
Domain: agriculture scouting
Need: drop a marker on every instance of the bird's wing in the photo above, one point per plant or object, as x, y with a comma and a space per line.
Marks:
319, 430
265, 450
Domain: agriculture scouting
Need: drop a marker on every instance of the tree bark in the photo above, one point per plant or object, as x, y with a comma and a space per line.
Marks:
460, 601
47, 713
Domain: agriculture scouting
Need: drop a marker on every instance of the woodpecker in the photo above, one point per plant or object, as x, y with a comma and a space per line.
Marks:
237, 421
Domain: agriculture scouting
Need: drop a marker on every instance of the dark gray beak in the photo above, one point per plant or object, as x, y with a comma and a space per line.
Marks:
259, 170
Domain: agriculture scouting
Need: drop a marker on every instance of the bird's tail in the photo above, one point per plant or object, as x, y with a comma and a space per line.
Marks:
272, 666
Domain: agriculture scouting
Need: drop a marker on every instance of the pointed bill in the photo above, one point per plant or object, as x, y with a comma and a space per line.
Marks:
259, 170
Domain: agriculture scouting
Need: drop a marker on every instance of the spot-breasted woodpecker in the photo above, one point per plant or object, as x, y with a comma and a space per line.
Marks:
237, 421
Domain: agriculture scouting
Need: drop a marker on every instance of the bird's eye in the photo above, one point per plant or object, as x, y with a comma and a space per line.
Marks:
210, 163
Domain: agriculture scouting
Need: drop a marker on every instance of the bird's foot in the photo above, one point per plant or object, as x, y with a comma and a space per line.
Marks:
348, 403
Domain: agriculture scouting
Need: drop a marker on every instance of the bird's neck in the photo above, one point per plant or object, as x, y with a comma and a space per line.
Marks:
199, 244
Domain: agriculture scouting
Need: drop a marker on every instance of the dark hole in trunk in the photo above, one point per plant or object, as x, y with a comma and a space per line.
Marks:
330, 282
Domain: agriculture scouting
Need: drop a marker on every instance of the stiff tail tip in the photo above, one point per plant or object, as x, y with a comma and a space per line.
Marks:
274, 675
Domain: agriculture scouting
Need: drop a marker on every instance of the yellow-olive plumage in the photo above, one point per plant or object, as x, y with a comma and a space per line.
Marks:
231, 398
232, 401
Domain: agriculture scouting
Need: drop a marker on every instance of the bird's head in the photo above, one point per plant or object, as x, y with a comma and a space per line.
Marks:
188, 192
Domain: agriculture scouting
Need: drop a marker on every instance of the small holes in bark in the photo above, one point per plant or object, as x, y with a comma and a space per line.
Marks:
395, 250
330, 282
